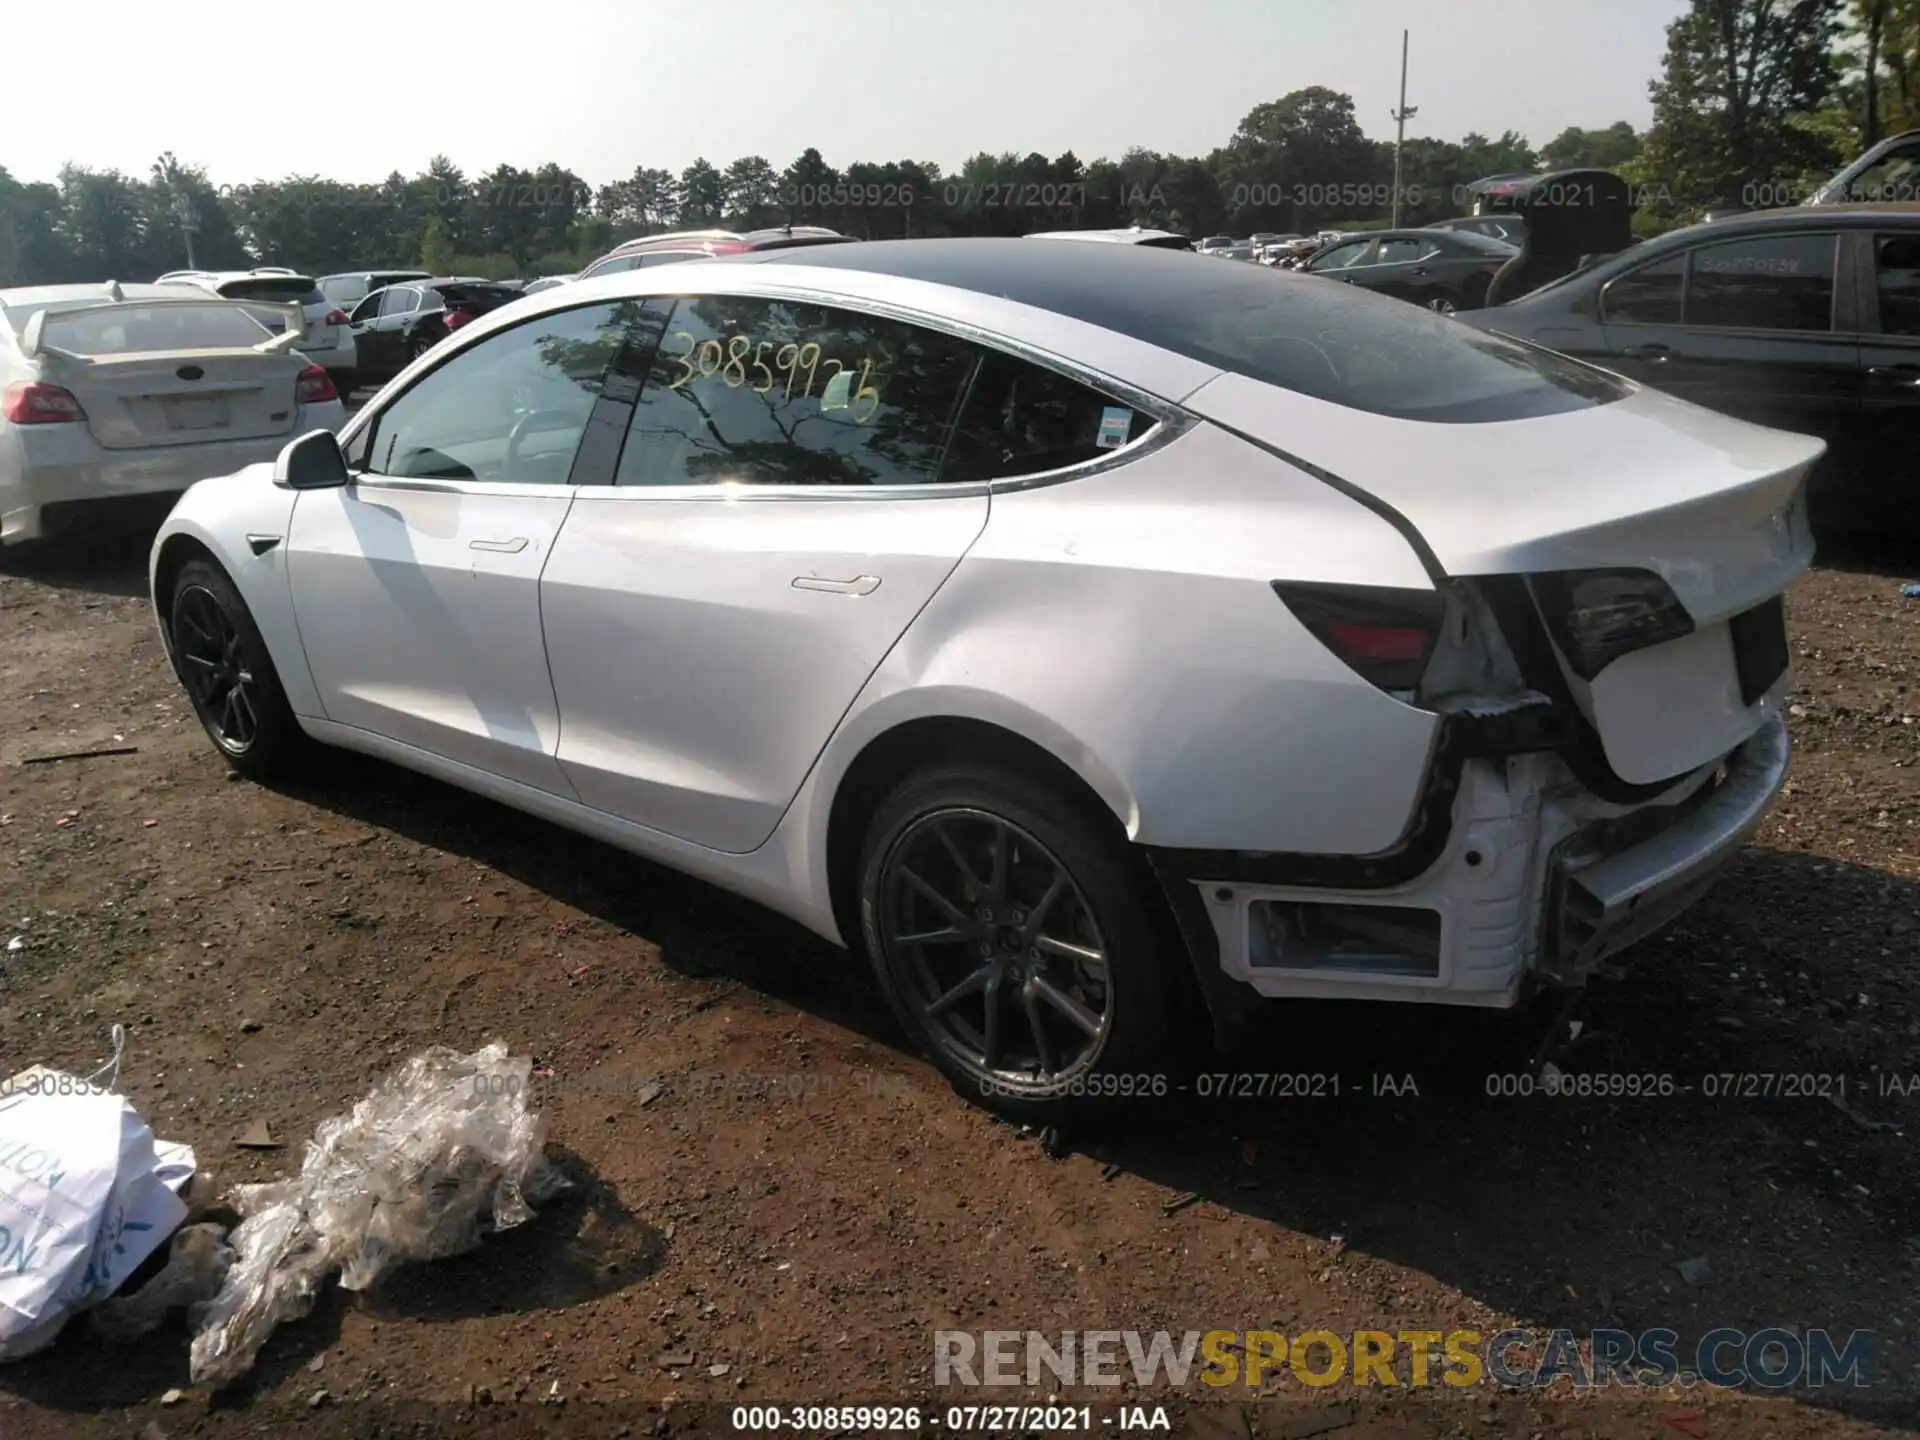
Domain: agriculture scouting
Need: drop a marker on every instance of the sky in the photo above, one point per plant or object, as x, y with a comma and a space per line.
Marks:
603, 86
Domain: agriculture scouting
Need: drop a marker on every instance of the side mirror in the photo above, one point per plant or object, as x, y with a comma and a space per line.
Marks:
313, 462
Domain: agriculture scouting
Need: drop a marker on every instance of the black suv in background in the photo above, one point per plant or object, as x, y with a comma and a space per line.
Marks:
393, 326
1805, 319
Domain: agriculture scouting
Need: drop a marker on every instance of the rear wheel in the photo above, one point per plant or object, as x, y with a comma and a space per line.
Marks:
1007, 931
229, 676
345, 382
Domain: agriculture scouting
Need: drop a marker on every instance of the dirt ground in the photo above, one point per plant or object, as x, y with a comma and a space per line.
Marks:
802, 1206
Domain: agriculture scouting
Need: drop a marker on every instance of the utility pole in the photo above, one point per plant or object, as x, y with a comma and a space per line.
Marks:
1400, 118
183, 211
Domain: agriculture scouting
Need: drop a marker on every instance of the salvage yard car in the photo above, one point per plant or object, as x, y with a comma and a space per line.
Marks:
112, 396
1441, 269
1080, 630
1806, 318
328, 337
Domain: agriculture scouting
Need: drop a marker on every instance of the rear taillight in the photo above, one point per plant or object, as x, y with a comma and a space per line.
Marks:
1596, 616
314, 386
1385, 635
337, 317
457, 318
28, 402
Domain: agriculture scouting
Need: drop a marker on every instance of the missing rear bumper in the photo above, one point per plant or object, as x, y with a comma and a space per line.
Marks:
1602, 901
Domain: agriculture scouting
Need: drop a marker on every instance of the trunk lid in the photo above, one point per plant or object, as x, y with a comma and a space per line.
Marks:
1714, 506
159, 373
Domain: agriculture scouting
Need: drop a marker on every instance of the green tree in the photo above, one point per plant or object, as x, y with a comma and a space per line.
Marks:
703, 195
752, 188
436, 247
1735, 75
1577, 149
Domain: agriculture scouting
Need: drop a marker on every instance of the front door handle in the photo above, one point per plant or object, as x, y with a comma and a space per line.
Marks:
1657, 354
1895, 374
503, 547
858, 585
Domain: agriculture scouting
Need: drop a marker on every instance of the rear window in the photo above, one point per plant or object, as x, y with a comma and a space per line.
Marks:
345, 291
1335, 342
121, 329
280, 289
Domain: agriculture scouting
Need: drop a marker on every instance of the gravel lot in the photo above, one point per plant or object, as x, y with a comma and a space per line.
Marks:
271, 952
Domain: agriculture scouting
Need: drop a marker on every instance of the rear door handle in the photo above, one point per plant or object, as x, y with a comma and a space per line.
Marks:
1655, 353
858, 585
1895, 374
503, 547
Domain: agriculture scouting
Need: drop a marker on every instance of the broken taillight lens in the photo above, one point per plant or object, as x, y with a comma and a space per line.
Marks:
1385, 635
1596, 616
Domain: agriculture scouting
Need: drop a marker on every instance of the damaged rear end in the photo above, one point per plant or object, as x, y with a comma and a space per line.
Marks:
1604, 640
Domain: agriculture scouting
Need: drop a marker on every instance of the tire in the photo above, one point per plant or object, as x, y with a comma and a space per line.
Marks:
218, 653
1048, 1064
345, 382
1441, 305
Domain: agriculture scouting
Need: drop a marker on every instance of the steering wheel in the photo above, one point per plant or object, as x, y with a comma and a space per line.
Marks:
527, 424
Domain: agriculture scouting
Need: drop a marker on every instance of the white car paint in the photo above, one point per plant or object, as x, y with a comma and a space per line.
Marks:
126, 446
645, 670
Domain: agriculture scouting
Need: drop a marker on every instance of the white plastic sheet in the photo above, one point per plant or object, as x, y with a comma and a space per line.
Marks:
83, 1198
439, 1153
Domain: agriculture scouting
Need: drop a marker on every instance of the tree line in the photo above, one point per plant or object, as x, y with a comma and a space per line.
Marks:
1756, 101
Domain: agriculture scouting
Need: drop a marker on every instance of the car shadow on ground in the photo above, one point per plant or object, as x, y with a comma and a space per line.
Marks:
1895, 559
108, 562
1423, 1136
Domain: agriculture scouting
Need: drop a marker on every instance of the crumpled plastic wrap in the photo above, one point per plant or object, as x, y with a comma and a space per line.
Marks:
439, 1153
197, 1264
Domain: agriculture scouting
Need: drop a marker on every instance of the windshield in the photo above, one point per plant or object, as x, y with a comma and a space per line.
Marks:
281, 289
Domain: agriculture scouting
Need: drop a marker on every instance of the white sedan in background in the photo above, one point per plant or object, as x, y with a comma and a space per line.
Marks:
1081, 630
109, 393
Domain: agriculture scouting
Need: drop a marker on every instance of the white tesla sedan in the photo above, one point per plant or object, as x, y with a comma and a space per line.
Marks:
111, 394
1081, 629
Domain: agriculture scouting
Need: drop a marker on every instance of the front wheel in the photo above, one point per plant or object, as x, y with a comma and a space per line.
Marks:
1007, 932
229, 676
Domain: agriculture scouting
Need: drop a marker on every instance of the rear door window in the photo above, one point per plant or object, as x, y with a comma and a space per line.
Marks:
1896, 275
1763, 282
749, 391
1647, 296
400, 300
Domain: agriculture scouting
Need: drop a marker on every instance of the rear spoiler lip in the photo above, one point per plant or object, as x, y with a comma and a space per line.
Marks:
33, 342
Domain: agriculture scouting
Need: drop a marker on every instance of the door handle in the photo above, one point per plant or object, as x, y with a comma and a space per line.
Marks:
859, 585
1656, 353
1906, 375
503, 547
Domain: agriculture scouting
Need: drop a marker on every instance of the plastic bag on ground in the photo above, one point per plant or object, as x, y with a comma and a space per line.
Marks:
197, 1264
440, 1152
84, 1197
